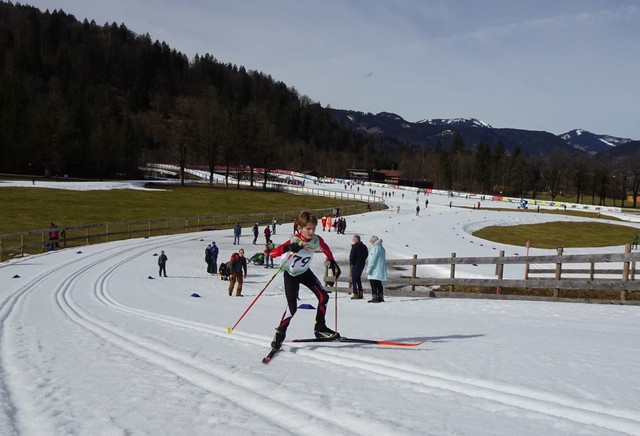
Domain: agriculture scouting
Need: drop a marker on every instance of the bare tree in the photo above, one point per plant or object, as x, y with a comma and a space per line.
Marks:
555, 172
581, 169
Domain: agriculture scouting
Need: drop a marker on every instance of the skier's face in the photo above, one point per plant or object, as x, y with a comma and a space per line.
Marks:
307, 231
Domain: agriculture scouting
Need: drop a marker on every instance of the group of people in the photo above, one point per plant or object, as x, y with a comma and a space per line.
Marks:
297, 253
338, 223
268, 231
376, 263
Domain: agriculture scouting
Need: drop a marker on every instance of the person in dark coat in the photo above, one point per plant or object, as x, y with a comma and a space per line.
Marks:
357, 260
162, 264
237, 231
238, 265
207, 257
255, 233
213, 258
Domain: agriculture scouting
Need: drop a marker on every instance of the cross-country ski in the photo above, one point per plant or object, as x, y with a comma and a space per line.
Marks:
364, 341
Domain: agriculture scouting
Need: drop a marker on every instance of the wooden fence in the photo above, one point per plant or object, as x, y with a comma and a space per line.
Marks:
604, 272
37, 241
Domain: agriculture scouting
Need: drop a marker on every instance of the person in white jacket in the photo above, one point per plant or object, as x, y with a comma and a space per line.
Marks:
377, 269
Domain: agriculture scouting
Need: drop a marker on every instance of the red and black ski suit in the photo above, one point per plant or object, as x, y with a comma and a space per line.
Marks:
297, 271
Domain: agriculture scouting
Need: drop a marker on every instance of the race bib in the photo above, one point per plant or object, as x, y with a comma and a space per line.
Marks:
299, 262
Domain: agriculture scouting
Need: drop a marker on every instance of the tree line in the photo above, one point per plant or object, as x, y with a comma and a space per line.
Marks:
97, 101
587, 179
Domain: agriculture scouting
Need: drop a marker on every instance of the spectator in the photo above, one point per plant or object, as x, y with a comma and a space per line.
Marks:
53, 236
238, 265
255, 233
162, 264
377, 269
237, 231
357, 260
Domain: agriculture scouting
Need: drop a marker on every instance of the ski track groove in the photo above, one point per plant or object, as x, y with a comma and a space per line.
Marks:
230, 386
580, 411
300, 418
17, 408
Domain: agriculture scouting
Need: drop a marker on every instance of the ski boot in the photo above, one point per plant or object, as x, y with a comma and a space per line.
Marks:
277, 340
324, 332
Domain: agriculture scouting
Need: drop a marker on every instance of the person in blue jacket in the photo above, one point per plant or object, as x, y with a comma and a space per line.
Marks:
237, 231
377, 269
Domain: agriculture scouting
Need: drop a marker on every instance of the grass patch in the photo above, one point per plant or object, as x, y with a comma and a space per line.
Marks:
26, 209
560, 234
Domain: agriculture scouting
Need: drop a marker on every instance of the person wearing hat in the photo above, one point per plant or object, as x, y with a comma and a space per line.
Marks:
377, 269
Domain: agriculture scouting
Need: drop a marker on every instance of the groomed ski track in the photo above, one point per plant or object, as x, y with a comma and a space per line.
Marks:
85, 308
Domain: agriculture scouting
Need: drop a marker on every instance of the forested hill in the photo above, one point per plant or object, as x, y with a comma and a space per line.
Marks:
96, 101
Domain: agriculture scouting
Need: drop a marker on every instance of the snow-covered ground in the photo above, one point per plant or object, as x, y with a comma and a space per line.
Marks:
93, 342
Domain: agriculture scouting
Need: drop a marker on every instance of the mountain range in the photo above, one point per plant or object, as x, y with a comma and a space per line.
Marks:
473, 131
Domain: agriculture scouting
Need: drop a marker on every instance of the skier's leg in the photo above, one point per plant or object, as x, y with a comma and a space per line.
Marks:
291, 289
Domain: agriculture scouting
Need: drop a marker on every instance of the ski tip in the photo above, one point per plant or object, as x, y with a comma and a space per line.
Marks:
229, 329
266, 360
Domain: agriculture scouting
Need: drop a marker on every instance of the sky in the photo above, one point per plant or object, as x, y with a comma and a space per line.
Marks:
543, 65
93, 342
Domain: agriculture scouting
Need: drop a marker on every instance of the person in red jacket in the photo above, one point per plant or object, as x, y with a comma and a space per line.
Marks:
297, 271
267, 234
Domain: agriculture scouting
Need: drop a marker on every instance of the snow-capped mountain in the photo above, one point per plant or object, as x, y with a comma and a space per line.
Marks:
455, 122
473, 131
444, 130
590, 142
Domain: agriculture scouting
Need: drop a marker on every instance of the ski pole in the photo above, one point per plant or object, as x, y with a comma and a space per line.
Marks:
230, 329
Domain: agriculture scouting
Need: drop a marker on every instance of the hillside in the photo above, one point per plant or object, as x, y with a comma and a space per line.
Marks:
95, 101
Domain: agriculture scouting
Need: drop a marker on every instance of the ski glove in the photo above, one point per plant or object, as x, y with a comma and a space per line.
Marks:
335, 269
294, 248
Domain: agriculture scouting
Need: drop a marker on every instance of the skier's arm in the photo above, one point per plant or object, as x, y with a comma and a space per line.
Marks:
325, 249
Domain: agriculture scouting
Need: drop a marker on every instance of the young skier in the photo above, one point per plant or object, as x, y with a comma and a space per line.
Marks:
296, 271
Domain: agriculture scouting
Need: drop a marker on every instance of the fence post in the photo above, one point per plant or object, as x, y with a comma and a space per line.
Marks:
414, 270
1, 251
625, 272
87, 235
106, 233
149, 229
526, 265
556, 292
499, 271
453, 271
